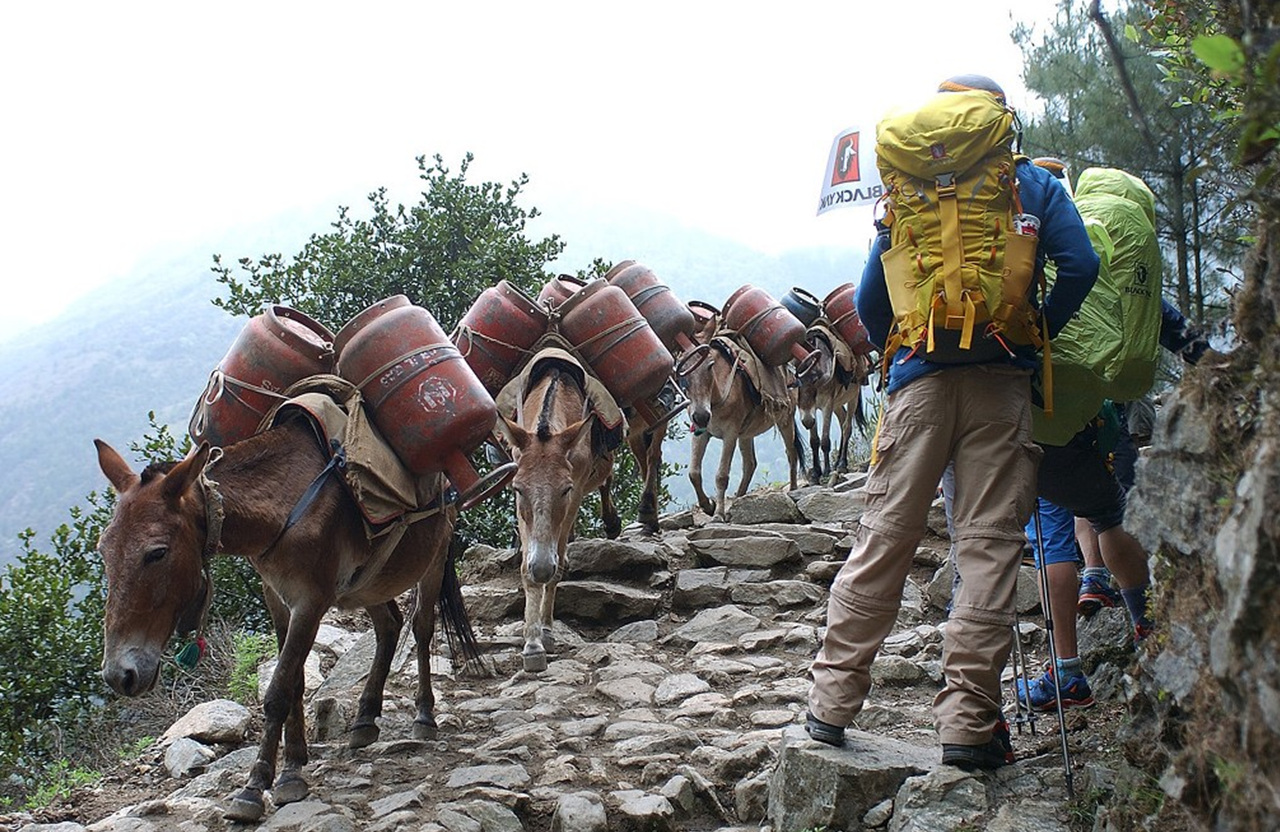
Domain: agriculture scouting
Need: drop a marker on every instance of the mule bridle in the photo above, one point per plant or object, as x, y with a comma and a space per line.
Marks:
198, 612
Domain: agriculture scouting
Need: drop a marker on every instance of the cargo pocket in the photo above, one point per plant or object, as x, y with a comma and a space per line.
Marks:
1027, 488
878, 478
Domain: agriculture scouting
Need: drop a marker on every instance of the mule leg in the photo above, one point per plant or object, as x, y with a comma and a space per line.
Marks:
793, 460
747, 445
728, 446
283, 692
424, 626
846, 434
826, 437
697, 449
815, 447
647, 449
534, 653
608, 510
387, 621
289, 786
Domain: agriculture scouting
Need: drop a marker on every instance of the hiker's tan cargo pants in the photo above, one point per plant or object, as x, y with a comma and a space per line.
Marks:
980, 416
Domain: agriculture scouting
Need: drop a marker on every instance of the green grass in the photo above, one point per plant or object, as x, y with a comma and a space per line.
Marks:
250, 650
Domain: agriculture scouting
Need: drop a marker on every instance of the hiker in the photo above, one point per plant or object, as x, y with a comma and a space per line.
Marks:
972, 407
1089, 477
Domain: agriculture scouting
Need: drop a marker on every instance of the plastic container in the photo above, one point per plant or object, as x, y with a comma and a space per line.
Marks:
497, 332
422, 396
277, 348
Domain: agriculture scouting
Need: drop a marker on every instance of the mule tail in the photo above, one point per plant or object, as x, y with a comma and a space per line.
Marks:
458, 633
859, 415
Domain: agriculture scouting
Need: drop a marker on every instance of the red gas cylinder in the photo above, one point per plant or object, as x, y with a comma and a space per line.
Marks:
616, 341
839, 309
559, 289
775, 335
429, 405
670, 319
497, 332
275, 349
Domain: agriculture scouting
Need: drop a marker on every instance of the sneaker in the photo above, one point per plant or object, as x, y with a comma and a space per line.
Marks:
1042, 696
823, 731
1096, 594
991, 755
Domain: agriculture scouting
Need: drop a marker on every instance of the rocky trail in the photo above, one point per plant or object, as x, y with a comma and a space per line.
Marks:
673, 700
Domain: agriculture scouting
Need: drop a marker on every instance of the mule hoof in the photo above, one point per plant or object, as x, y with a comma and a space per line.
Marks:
535, 662
363, 735
290, 787
425, 730
246, 807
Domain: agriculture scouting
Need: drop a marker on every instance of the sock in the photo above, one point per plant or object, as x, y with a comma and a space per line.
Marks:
1135, 599
1069, 668
1102, 573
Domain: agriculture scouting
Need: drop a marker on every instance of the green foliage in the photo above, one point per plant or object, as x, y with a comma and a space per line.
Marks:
59, 781
248, 651
441, 253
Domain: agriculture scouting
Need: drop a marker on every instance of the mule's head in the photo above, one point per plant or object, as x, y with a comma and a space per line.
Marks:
152, 552
807, 386
551, 476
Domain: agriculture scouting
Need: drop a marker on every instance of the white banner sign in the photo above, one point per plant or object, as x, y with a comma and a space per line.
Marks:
851, 177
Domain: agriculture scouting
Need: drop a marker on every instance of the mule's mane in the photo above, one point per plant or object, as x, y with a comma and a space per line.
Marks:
548, 404
155, 469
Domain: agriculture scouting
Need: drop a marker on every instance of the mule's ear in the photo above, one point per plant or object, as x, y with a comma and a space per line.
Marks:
182, 477
516, 437
118, 472
579, 431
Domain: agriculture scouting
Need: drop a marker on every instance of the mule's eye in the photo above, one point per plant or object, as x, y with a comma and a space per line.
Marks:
564, 492
155, 554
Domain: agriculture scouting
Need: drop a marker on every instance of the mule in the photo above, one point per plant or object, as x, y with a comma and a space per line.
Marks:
833, 394
174, 517
557, 465
725, 404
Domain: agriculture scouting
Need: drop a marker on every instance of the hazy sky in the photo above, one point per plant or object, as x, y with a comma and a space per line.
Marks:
132, 128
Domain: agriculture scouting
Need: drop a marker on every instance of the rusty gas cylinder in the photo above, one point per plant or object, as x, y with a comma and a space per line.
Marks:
497, 332
775, 335
843, 315
559, 289
615, 340
670, 319
275, 349
426, 401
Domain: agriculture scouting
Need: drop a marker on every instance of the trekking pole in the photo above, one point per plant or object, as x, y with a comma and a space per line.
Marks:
1023, 713
1043, 570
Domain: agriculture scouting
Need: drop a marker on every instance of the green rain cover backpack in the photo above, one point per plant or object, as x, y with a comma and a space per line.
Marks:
1109, 349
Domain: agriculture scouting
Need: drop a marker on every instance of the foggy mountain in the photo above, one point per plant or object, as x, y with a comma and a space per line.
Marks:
148, 342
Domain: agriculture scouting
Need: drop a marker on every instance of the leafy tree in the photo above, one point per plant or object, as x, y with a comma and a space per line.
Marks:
459, 239
1108, 103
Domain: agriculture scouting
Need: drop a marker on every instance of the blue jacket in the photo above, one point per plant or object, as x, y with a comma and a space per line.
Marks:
1063, 239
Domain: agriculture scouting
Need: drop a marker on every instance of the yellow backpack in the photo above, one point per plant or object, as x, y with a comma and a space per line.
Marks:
958, 263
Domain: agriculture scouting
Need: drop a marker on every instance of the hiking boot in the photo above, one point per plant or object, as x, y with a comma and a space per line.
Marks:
1140, 633
1042, 697
1001, 735
823, 731
1096, 594
991, 755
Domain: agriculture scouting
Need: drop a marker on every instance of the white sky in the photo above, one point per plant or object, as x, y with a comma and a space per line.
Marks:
132, 128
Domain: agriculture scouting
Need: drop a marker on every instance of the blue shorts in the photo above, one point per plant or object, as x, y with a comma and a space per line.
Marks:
1059, 527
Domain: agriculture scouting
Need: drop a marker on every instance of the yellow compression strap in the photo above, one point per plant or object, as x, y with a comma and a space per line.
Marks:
960, 312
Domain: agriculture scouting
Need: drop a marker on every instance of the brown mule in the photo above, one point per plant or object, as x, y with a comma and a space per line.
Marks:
724, 404
834, 394
556, 466
170, 520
